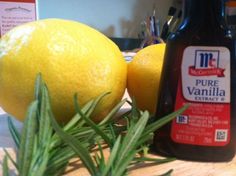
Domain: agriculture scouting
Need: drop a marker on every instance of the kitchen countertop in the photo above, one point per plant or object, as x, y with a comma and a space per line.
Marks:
181, 168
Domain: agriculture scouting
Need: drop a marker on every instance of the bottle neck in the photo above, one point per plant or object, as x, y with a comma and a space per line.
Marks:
208, 12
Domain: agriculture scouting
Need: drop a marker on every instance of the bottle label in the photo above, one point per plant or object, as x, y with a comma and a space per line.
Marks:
205, 86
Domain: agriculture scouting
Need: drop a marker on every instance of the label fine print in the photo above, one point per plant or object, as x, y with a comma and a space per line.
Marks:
205, 86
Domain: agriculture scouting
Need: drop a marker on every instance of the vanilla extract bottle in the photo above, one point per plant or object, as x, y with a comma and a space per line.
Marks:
200, 70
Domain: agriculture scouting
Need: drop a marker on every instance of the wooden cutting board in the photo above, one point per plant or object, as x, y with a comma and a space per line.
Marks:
180, 168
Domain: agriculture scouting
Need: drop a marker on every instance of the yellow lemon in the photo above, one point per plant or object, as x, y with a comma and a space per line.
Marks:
72, 58
144, 73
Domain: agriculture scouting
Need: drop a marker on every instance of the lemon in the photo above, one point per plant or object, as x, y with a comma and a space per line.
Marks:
72, 58
144, 73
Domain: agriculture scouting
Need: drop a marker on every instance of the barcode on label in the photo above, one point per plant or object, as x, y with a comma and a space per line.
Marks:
221, 135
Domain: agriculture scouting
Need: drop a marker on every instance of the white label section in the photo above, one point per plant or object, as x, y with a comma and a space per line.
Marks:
206, 74
14, 14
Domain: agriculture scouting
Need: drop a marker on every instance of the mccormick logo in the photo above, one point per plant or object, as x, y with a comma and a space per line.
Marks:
206, 64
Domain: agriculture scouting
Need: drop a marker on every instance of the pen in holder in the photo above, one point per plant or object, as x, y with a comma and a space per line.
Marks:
150, 31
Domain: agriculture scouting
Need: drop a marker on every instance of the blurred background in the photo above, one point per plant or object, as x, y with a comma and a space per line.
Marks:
129, 23
115, 18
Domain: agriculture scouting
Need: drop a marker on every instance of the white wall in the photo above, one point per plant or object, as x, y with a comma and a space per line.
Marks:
115, 18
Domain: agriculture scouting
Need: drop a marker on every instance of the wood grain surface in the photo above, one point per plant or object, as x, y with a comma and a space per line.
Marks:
180, 168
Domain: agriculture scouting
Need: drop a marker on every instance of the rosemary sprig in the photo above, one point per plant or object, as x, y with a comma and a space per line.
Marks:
39, 150
124, 148
45, 148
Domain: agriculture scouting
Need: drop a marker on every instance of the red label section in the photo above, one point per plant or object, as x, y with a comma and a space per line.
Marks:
30, 1
206, 124
206, 72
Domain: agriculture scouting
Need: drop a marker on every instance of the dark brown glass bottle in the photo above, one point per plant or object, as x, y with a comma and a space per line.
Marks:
199, 70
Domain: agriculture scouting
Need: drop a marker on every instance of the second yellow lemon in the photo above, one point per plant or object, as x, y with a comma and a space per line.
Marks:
144, 73
72, 57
